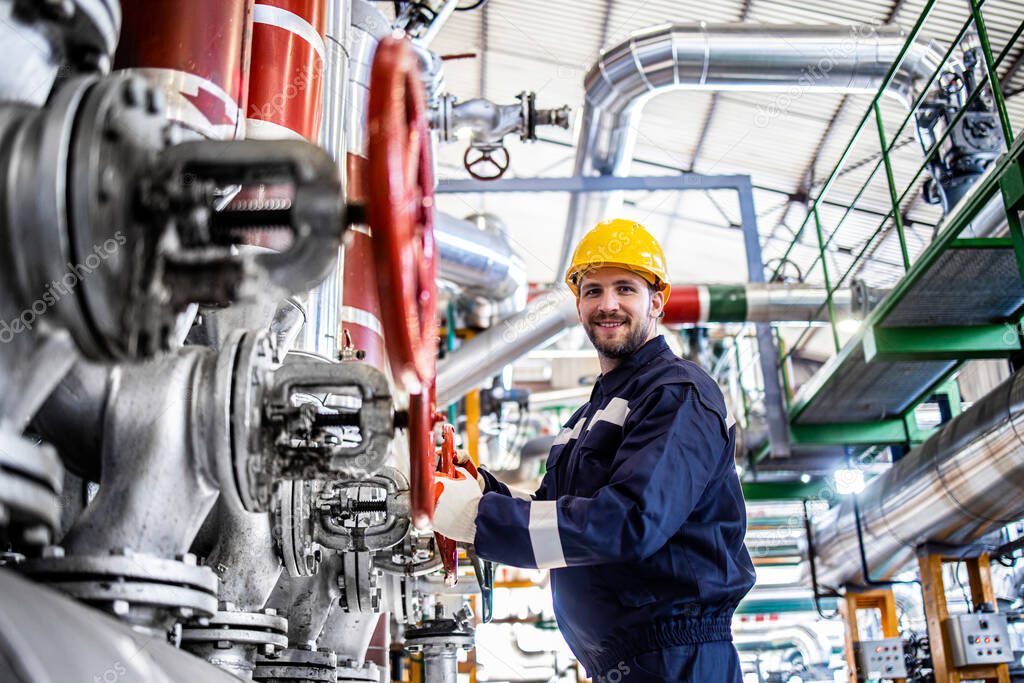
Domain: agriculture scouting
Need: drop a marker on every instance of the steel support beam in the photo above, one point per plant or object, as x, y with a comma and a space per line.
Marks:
940, 343
759, 491
768, 356
851, 433
684, 181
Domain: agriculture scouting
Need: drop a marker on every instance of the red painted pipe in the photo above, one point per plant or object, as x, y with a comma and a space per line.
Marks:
198, 53
286, 83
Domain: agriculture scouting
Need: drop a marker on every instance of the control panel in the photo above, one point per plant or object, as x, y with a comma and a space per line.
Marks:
880, 659
978, 638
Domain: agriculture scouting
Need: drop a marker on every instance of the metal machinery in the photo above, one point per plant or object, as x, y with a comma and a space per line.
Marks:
217, 423
221, 272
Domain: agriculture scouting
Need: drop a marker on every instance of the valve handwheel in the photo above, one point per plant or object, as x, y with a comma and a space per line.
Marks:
400, 214
446, 547
422, 457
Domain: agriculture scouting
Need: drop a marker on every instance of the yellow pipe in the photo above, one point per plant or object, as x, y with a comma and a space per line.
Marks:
473, 425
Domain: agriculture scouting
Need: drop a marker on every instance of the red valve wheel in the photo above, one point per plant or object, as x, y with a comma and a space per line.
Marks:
422, 457
446, 547
400, 213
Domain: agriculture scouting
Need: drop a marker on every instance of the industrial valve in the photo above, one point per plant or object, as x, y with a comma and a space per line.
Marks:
487, 158
974, 140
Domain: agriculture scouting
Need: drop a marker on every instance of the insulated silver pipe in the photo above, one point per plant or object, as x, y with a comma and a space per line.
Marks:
485, 354
792, 303
323, 306
718, 57
474, 255
962, 483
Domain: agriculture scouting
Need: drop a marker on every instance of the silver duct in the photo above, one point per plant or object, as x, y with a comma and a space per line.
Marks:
322, 330
774, 302
962, 483
481, 357
716, 58
474, 254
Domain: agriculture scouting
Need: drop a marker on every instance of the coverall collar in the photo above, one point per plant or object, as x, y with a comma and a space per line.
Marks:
609, 382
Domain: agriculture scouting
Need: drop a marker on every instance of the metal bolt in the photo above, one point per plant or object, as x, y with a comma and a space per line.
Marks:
222, 644
120, 607
225, 606
53, 551
270, 610
134, 92
187, 558
156, 101
185, 612
108, 184
268, 650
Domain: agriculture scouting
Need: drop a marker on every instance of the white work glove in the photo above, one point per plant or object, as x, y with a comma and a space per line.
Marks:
456, 501
461, 458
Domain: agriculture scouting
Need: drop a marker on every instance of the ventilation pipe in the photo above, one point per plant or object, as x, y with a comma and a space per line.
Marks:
964, 482
723, 57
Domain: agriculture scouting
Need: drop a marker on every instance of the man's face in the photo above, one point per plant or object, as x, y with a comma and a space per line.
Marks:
618, 310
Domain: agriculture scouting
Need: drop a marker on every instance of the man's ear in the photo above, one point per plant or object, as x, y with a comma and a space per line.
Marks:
657, 304
579, 313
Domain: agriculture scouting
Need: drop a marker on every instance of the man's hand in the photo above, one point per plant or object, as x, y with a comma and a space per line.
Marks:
455, 503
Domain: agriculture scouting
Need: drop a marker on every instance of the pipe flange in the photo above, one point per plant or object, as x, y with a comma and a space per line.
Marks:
297, 665
135, 587
438, 636
253, 366
31, 477
351, 670
293, 532
361, 583
120, 128
53, 39
230, 627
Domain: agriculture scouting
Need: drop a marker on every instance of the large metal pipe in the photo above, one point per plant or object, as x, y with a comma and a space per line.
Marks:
197, 52
360, 311
962, 483
161, 434
474, 254
323, 326
46, 636
753, 302
286, 76
481, 357
721, 57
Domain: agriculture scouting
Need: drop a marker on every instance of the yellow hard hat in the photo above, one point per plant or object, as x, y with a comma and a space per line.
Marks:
619, 243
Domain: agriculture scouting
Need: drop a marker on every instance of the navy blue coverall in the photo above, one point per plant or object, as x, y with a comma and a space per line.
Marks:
640, 517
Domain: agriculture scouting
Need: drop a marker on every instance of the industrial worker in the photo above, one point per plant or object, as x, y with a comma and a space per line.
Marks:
640, 515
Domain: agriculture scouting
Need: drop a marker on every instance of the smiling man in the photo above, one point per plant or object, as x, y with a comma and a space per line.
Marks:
640, 515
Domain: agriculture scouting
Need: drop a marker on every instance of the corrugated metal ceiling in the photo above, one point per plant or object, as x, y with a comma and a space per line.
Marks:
548, 46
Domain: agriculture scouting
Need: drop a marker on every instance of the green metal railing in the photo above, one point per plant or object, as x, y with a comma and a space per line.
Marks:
886, 145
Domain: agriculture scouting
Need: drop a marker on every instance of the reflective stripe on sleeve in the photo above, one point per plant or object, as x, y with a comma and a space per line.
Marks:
547, 546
